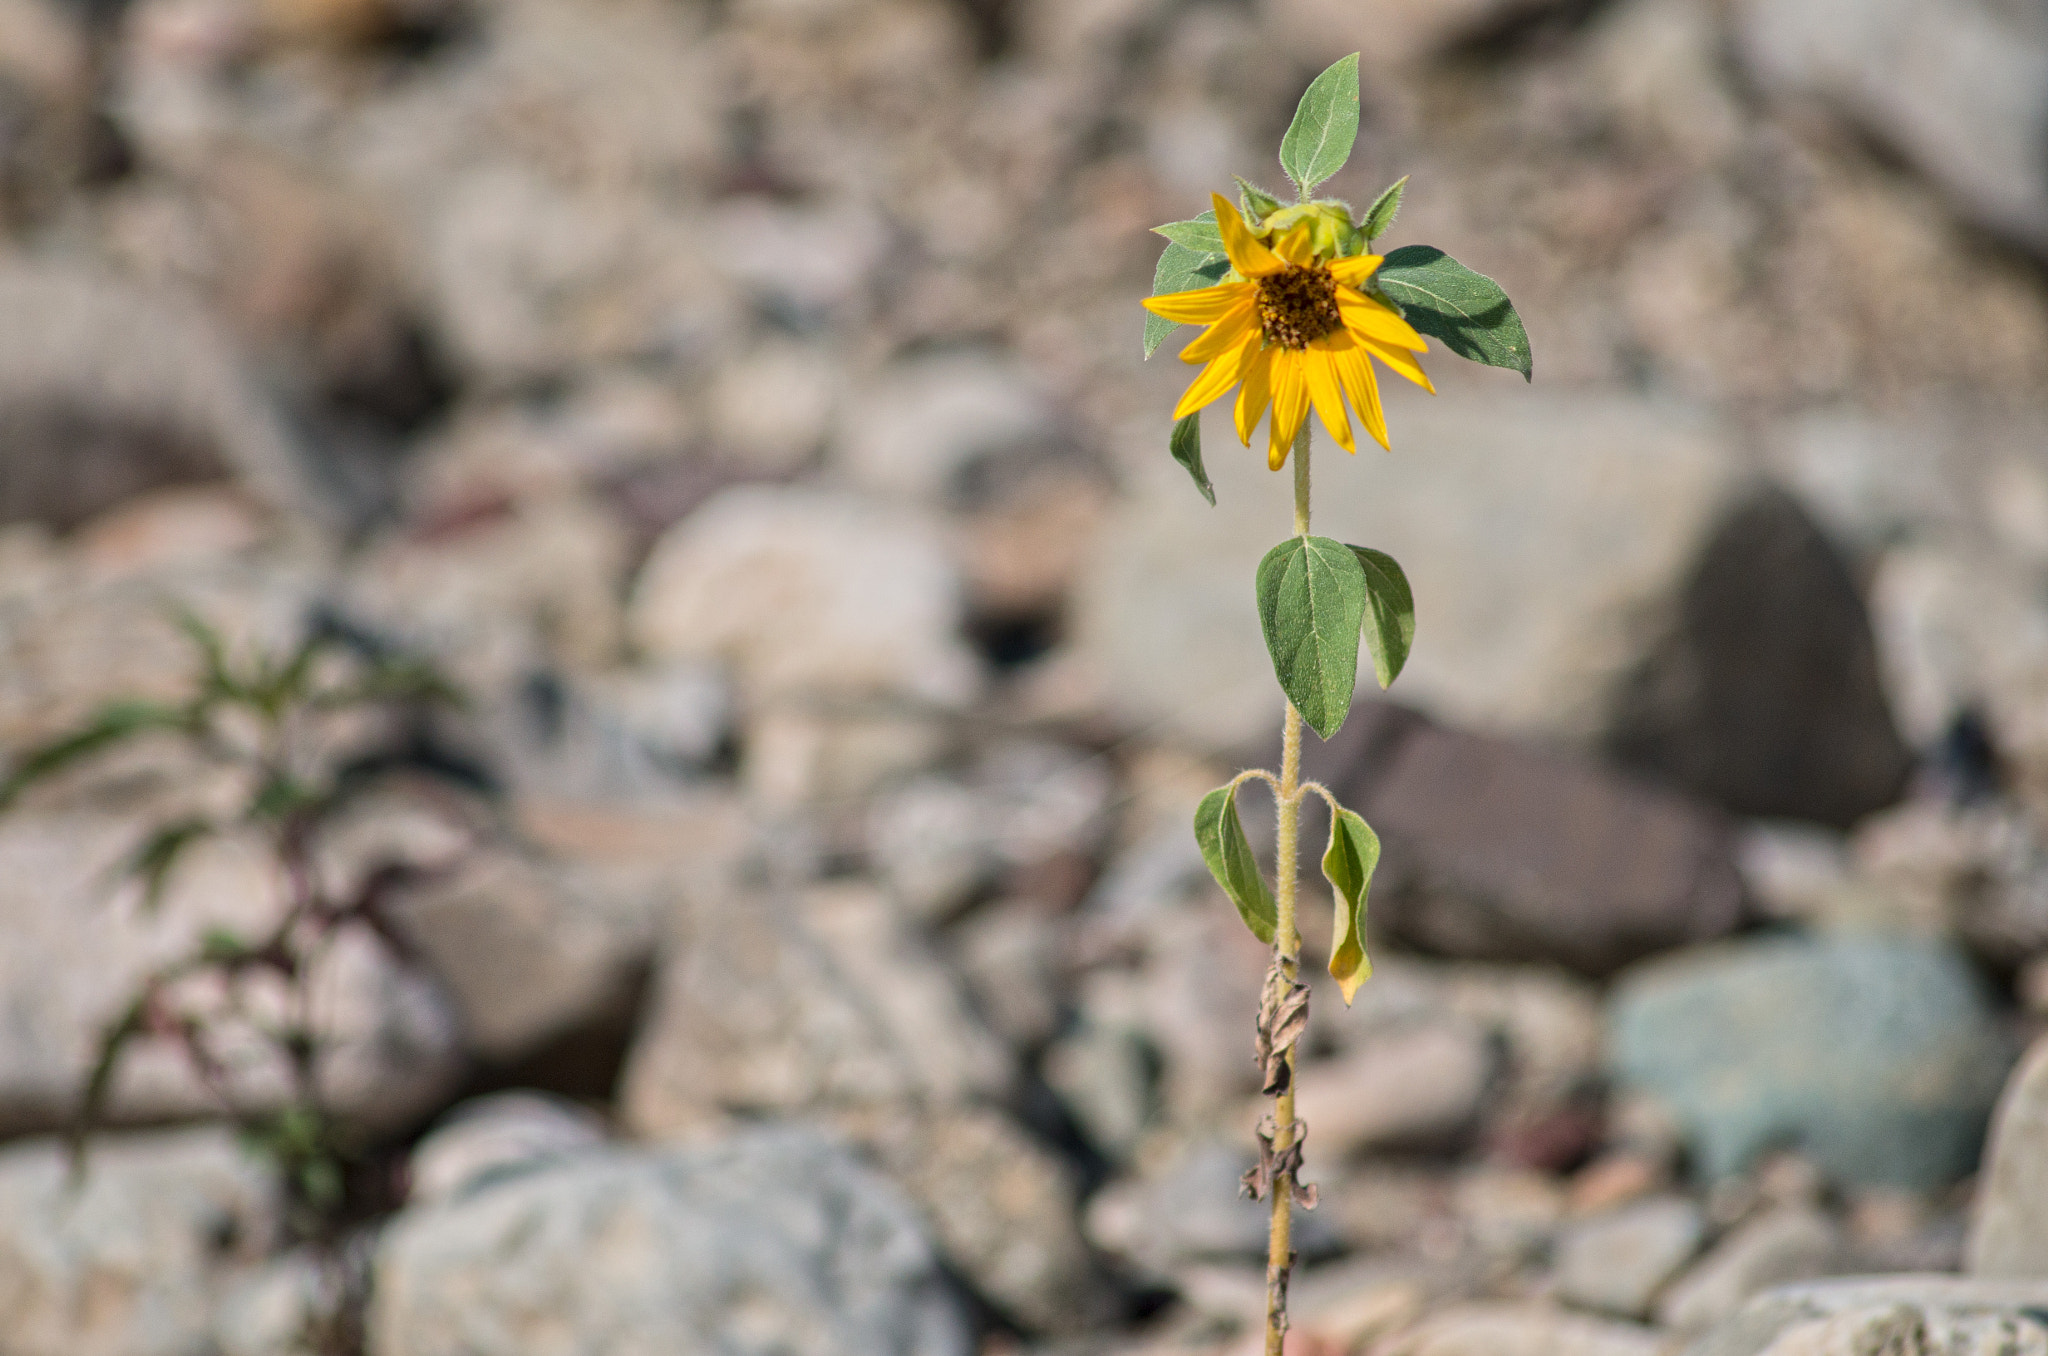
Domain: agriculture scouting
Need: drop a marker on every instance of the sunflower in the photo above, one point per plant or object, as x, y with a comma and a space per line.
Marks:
1294, 331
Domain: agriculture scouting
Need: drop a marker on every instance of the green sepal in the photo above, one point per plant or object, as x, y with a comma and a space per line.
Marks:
1180, 270
1198, 234
1220, 835
1325, 125
1255, 202
1186, 446
1389, 613
1348, 865
1384, 209
1446, 300
1312, 596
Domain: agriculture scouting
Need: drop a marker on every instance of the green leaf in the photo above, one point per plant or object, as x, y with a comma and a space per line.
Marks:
151, 863
1384, 209
1186, 446
1312, 604
1198, 234
1180, 270
1448, 301
1348, 865
1256, 202
1229, 854
1389, 613
104, 728
1318, 141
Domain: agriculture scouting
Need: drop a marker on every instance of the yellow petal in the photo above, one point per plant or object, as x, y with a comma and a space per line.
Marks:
1328, 397
1295, 248
1370, 319
1363, 388
1219, 376
1203, 306
1290, 406
1355, 270
1255, 394
1401, 361
1247, 255
1225, 334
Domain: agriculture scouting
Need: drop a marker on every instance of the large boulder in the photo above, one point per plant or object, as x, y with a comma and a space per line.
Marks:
772, 1242
1879, 1057
132, 1259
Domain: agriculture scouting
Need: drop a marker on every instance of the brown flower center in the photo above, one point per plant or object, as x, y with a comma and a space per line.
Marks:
1298, 305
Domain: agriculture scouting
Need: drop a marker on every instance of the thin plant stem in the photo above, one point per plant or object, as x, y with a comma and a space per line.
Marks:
1287, 961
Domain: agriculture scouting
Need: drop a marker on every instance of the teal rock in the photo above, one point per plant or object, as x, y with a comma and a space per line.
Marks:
1877, 1057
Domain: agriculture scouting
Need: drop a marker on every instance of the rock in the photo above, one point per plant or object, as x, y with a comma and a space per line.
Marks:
2009, 1234
1878, 1057
1959, 88
917, 430
1790, 1243
773, 407
1411, 33
1611, 500
1506, 1329
134, 1263
1189, 1210
528, 950
487, 1139
804, 1005
1407, 1087
808, 593
1001, 1209
796, 757
1009, 954
1765, 695
1104, 1077
1617, 1262
1494, 849
390, 1049
1921, 1315
771, 1241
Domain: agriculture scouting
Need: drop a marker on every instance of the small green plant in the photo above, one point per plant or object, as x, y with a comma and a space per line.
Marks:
304, 737
1297, 307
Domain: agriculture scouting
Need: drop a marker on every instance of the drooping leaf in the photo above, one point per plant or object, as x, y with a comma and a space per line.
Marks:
1197, 233
1389, 613
1325, 125
1220, 835
216, 678
104, 728
1311, 604
1256, 202
1384, 209
1186, 446
1448, 301
151, 863
1180, 270
1348, 865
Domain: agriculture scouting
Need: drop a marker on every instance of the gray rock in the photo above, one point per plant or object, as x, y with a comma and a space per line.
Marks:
1417, 1085
391, 1048
916, 431
1189, 1210
1496, 849
1878, 1057
134, 1263
1959, 87
803, 1004
527, 949
808, 593
1610, 500
1617, 1262
1508, 1329
1923, 1315
2009, 1234
489, 1138
1104, 1077
1790, 1243
774, 1241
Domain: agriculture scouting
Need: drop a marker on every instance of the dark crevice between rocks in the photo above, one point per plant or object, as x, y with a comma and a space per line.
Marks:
62, 464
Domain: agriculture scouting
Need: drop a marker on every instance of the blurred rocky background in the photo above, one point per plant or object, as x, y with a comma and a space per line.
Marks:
742, 400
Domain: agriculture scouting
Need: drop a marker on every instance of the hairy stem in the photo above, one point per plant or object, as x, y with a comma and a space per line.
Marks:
1287, 962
